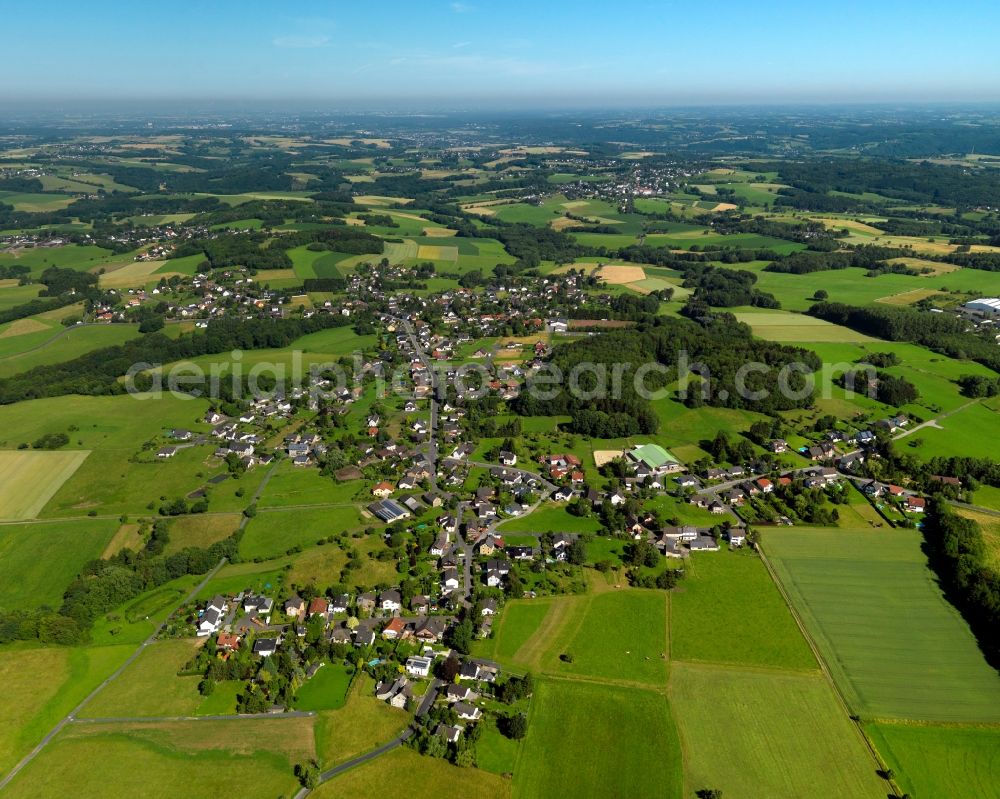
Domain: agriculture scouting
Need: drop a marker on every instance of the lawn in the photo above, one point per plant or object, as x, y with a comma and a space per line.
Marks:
753, 734
551, 517
169, 759
592, 740
894, 645
150, 685
39, 560
30, 478
420, 778
940, 762
326, 690
728, 610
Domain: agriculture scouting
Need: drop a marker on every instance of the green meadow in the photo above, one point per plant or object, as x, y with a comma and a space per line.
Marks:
594, 740
728, 610
755, 733
940, 762
38, 560
893, 644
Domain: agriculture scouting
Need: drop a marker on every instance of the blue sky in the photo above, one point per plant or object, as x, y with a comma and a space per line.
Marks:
509, 53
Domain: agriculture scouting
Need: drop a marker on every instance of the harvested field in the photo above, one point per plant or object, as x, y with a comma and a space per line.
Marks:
621, 275
21, 327
602, 456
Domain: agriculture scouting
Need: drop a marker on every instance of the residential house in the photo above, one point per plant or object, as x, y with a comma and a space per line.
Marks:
418, 666
390, 601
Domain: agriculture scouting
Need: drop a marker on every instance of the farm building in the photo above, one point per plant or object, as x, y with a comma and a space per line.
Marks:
654, 457
989, 306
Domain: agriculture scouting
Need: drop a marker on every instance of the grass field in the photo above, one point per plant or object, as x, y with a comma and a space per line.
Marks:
552, 517
200, 530
941, 762
519, 621
135, 275
150, 685
327, 690
170, 759
44, 684
418, 778
727, 610
38, 561
593, 740
895, 647
29, 479
57, 345
753, 734
362, 724
789, 327
612, 636
274, 533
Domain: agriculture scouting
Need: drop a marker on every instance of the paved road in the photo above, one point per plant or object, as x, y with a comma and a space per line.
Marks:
71, 716
395, 743
399, 740
431, 447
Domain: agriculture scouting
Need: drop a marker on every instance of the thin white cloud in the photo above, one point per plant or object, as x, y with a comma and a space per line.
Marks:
462, 8
302, 42
461, 45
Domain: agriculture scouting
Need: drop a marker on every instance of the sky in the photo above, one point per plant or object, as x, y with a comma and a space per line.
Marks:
477, 53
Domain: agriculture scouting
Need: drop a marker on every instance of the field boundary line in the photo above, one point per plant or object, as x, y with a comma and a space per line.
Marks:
126, 720
653, 688
752, 669
880, 764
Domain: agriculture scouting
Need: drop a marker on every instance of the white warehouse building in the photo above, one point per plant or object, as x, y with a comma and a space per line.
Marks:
987, 305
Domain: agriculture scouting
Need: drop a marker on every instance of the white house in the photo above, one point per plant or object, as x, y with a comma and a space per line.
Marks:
419, 666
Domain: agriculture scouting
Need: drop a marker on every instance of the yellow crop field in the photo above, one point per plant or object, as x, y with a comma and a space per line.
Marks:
133, 275
437, 253
21, 327
30, 478
618, 275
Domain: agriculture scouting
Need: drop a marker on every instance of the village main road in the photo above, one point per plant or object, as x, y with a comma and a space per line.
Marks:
431, 447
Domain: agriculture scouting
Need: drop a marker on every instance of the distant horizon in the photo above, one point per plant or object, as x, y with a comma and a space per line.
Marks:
520, 55
401, 108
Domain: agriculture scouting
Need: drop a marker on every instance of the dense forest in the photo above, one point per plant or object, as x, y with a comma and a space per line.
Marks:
958, 553
920, 182
942, 333
715, 349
